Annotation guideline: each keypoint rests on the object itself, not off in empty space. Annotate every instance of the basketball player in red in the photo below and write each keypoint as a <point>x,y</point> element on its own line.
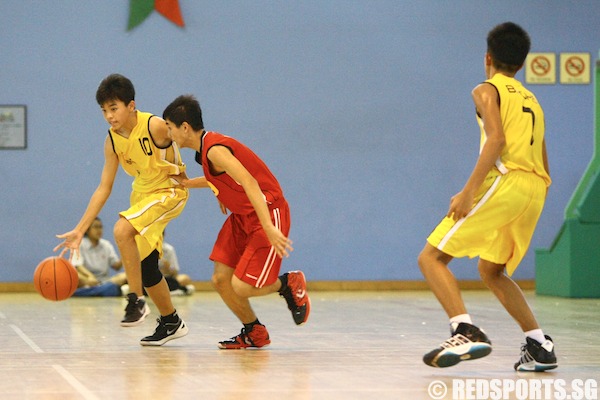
<point>249,248</point>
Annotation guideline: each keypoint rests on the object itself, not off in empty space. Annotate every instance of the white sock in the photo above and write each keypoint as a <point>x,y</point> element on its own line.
<point>454,321</point>
<point>536,334</point>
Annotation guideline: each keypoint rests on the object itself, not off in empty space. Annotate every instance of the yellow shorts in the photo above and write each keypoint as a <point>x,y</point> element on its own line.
<point>150,213</point>
<point>501,223</point>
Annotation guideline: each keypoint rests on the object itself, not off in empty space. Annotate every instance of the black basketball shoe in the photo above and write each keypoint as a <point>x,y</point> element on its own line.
<point>135,311</point>
<point>164,332</point>
<point>468,342</point>
<point>536,356</point>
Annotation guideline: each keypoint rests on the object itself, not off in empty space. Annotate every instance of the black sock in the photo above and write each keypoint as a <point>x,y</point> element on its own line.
<point>249,326</point>
<point>171,318</point>
<point>284,279</point>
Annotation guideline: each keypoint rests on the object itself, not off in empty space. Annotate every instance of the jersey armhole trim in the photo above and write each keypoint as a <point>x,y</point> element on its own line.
<point>112,142</point>
<point>497,91</point>
<point>152,137</point>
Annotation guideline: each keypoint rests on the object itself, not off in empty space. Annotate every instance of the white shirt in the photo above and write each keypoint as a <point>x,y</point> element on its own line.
<point>97,259</point>
<point>170,256</point>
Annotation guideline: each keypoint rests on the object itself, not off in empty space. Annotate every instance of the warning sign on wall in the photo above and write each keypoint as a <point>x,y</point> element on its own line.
<point>575,68</point>
<point>540,68</point>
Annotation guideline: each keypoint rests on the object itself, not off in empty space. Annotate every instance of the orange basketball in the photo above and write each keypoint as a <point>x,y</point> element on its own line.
<point>55,279</point>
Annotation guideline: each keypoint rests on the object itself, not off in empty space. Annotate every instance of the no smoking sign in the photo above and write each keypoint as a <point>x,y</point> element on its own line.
<point>575,68</point>
<point>540,68</point>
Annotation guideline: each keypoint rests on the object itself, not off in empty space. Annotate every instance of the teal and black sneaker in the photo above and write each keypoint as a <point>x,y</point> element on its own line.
<point>536,356</point>
<point>468,342</point>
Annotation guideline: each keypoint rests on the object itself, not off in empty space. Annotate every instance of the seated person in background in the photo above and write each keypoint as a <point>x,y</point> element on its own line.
<point>179,284</point>
<point>96,257</point>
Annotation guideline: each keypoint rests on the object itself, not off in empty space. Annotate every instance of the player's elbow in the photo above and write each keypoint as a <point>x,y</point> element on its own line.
<point>497,142</point>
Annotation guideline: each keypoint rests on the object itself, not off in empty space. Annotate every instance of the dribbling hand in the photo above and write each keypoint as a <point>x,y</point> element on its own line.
<point>72,240</point>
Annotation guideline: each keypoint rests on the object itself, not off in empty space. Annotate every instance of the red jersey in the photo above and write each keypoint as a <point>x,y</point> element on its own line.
<point>227,190</point>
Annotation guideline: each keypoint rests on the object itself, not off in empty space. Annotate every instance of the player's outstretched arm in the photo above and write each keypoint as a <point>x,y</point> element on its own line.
<point>194,183</point>
<point>72,239</point>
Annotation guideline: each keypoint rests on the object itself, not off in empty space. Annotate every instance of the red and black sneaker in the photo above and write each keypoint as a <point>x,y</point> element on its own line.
<point>296,297</point>
<point>257,337</point>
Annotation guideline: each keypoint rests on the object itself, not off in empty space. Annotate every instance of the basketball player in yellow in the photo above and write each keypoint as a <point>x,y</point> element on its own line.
<point>138,141</point>
<point>495,214</point>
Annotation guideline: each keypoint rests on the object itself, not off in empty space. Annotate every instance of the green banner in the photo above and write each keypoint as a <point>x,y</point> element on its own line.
<point>139,10</point>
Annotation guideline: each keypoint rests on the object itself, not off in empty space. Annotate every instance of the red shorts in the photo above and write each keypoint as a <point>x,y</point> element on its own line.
<point>242,244</point>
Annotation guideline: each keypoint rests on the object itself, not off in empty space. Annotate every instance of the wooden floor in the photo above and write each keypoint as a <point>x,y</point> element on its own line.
<point>356,345</point>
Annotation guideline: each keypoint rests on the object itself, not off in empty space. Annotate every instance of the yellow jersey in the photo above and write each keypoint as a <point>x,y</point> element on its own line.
<point>141,158</point>
<point>523,125</point>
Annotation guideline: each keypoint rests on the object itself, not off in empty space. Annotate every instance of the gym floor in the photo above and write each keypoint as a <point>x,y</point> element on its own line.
<point>355,345</point>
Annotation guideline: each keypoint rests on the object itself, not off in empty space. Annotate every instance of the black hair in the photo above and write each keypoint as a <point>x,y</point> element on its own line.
<point>508,44</point>
<point>115,87</point>
<point>90,227</point>
<point>185,108</point>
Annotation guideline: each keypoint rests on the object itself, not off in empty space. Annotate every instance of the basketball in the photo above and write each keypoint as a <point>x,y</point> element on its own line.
<point>55,279</point>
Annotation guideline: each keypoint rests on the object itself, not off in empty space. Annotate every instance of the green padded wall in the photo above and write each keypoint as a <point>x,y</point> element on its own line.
<point>571,266</point>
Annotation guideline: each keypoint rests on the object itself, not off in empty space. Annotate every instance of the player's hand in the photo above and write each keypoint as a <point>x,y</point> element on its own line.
<point>460,205</point>
<point>72,240</point>
<point>181,179</point>
<point>281,244</point>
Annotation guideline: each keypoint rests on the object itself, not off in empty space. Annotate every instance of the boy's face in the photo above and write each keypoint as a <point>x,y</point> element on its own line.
<point>95,230</point>
<point>177,134</point>
<point>117,113</point>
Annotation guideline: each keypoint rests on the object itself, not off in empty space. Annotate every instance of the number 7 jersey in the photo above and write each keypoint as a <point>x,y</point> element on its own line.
<point>524,128</point>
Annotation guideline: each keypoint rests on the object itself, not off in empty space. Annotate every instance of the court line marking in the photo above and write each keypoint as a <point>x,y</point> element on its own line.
<point>26,339</point>
<point>85,392</point>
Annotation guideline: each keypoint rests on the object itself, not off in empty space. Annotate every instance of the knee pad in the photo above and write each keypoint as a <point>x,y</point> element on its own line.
<point>151,275</point>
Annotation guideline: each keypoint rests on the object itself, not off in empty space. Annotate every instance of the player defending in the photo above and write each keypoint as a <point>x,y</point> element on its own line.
<point>495,214</point>
<point>249,248</point>
<point>140,142</point>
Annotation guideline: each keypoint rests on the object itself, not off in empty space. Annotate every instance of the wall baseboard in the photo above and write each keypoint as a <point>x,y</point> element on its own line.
<point>203,286</point>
